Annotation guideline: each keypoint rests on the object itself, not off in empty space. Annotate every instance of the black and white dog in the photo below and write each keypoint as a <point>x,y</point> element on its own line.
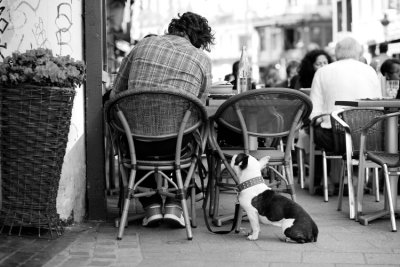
<point>263,204</point>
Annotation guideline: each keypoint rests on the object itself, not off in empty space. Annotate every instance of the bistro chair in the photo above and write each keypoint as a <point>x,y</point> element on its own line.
<point>389,162</point>
<point>273,114</point>
<point>326,155</point>
<point>150,115</point>
<point>347,125</point>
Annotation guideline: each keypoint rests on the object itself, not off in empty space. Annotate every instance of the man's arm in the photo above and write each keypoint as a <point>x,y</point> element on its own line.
<point>206,83</point>
<point>316,97</point>
<point>121,82</point>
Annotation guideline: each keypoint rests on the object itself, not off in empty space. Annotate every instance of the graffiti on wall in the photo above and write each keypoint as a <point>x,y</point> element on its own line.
<point>64,23</point>
<point>26,24</point>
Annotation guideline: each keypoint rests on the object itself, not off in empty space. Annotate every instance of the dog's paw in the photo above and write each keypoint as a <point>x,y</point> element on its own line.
<point>252,237</point>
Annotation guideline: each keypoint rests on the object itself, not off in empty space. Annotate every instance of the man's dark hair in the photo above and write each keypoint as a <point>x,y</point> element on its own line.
<point>386,66</point>
<point>195,27</point>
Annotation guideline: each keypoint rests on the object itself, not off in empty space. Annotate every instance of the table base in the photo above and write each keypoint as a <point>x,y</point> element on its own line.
<point>366,218</point>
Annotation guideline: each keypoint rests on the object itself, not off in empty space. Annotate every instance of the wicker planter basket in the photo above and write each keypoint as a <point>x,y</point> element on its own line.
<point>34,127</point>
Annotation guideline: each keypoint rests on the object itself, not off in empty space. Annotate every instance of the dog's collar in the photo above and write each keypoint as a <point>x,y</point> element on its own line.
<point>250,183</point>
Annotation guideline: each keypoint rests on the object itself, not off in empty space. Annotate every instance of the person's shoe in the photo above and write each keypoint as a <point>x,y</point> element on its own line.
<point>153,215</point>
<point>174,215</point>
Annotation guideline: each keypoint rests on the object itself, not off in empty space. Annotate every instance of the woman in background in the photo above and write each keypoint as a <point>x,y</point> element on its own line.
<point>310,63</point>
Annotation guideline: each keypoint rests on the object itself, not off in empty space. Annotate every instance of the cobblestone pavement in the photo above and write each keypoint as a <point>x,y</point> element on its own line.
<point>341,242</point>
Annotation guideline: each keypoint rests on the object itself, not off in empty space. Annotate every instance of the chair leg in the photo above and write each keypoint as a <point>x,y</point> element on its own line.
<point>311,170</point>
<point>289,177</point>
<point>193,204</point>
<point>375,184</point>
<point>211,181</point>
<point>350,187</point>
<point>239,220</point>
<point>341,188</point>
<point>187,219</point>
<point>325,176</point>
<point>125,210</point>
<point>389,197</point>
<point>300,166</point>
<point>362,181</point>
<point>184,205</point>
<point>360,188</point>
<point>215,190</point>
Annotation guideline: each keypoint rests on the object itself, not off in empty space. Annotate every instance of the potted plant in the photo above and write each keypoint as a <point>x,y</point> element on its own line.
<point>37,90</point>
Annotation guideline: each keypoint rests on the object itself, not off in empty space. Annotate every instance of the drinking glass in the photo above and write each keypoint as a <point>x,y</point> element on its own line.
<point>392,86</point>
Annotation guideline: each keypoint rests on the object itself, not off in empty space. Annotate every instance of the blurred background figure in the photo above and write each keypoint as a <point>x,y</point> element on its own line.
<point>377,61</point>
<point>232,76</point>
<point>310,63</point>
<point>271,77</point>
<point>291,71</point>
<point>390,69</point>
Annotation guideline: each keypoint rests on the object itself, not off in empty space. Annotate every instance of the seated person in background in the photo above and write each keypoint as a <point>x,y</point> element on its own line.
<point>378,60</point>
<point>291,71</point>
<point>390,69</point>
<point>225,136</point>
<point>173,60</point>
<point>233,77</point>
<point>310,63</point>
<point>345,79</point>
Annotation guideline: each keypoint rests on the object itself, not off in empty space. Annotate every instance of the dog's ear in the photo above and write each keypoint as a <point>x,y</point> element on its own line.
<point>264,161</point>
<point>242,160</point>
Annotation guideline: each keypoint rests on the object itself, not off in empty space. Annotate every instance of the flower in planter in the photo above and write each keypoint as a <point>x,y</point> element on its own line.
<point>40,67</point>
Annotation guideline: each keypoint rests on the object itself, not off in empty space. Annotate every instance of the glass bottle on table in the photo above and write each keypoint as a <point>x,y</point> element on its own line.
<point>244,73</point>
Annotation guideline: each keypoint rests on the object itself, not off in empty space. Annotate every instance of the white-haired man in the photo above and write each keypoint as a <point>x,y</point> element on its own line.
<point>345,79</point>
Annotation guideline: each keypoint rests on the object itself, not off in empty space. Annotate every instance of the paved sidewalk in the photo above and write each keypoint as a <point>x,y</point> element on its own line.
<point>341,242</point>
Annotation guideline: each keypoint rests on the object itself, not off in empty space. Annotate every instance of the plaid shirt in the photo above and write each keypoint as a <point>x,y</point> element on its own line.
<point>168,61</point>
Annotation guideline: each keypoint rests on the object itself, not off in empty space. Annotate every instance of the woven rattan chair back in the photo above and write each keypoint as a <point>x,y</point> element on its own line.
<point>356,120</point>
<point>265,112</point>
<point>155,115</point>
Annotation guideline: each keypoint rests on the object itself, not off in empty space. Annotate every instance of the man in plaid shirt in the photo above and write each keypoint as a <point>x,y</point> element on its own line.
<point>173,60</point>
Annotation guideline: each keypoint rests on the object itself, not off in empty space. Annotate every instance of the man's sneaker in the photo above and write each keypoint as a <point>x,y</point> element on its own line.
<point>153,215</point>
<point>174,215</point>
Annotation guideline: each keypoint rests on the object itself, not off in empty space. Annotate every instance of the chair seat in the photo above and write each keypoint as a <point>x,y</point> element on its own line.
<point>381,157</point>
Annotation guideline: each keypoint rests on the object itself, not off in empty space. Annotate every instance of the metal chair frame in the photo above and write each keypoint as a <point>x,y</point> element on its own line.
<point>390,163</point>
<point>326,155</point>
<point>345,123</point>
<point>280,164</point>
<point>189,118</point>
